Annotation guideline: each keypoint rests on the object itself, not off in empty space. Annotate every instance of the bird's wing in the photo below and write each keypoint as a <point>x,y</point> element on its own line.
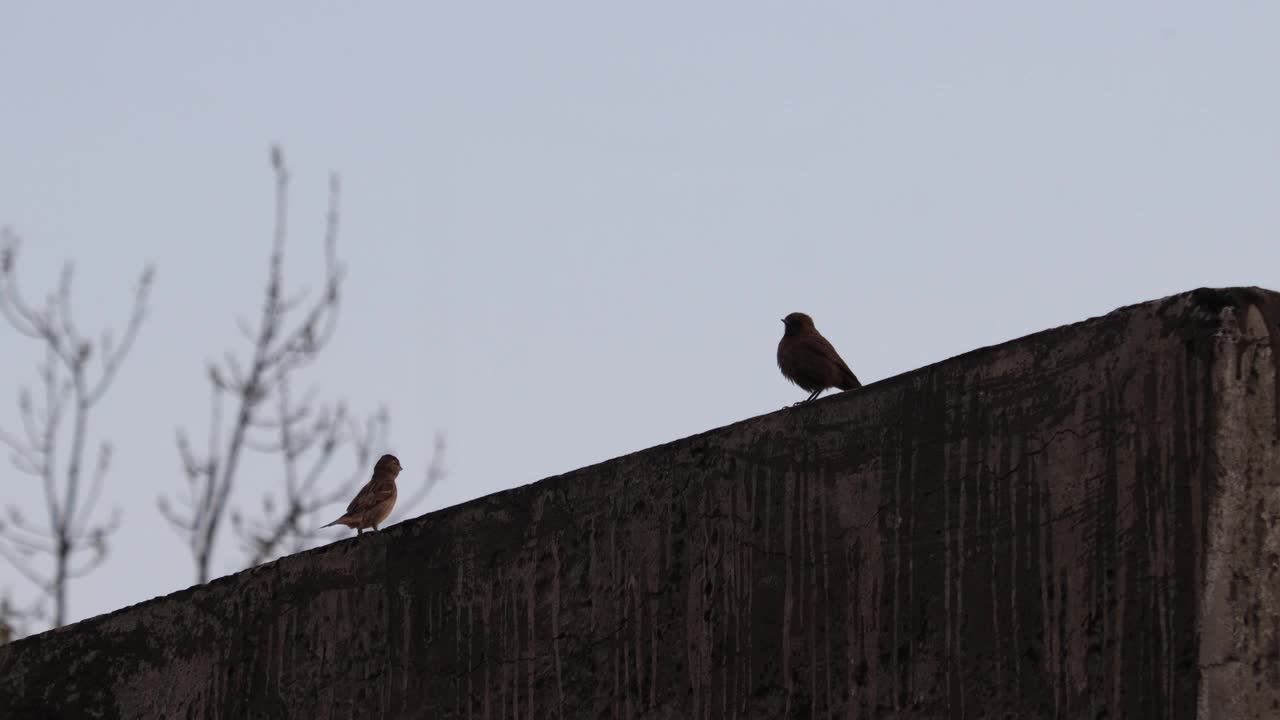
<point>374,493</point>
<point>815,346</point>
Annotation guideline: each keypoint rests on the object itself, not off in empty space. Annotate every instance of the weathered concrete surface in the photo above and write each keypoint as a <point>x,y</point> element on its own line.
<point>1079,524</point>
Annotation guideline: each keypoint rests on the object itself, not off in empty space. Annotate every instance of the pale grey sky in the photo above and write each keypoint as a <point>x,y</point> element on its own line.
<point>571,228</point>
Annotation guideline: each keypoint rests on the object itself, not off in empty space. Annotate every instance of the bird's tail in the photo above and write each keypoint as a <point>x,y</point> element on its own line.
<point>335,522</point>
<point>849,382</point>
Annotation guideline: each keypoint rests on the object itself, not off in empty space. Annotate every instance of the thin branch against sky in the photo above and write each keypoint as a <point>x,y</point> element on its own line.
<point>307,435</point>
<point>74,377</point>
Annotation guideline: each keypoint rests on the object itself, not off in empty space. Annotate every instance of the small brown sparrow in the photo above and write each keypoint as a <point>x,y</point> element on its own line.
<point>373,503</point>
<point>808,360</point>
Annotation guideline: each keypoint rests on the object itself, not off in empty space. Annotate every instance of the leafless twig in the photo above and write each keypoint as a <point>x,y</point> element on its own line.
<point>434,473</point>
<point>16,621</point>
<point>308,440</point>
<point>289,336</point>
<point>71,387</point>
<point>308,435</point>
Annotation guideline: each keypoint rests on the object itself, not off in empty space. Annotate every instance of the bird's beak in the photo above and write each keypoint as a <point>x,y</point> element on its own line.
<point>782,320</point>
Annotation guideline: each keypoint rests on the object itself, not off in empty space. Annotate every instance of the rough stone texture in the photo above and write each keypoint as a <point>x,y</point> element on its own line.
<point>1079,524</point>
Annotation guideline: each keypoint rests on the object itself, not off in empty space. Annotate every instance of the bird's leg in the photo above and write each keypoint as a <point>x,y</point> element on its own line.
<point>359,532</point>
<point>809,399</point>
<point>375,528</point>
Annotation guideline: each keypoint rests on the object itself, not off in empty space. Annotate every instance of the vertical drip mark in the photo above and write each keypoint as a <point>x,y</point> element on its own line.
<point>1044,530</point>
<point>1168,594</point>
<point>1014,480</point>
<point>993,561</point>
<point>1032,567</point>
<point>908,519</point>
<point>1108,537</point>
<point>895,522</point>
<point>692,614</point>
<point>708,629</point>
<point>787,600</point>
<point>1020,527</point>
<point>495,621</point>
<point>813,570</point>
<point>730,647</point>
<point>628,711</point>
<point>556,639</point>
<point>503,651</point>
<point>768,503</point>
<point>592,564</point>
<point>855,632</point>
<point>486,612</point>
<point>531,624</point>
<point>748,587</point>
<point>949,581</point>
<point>517,651</point>
<point>458,602</point>
<point>806,585</point>
<point>639,646</point>
<point>665,562</point>
<point>1145,555</point>
<point>1126,522</point>
<point>715,617</point>
<point>823,533</point>
<point>511,650</point>
<point>471,639</point>
<point>1064,596</point>
<point>962,503</point>
<point>1158,491</point>
<point>693,619</point>
<point>1190,443</point>
<point>875,583</point>
<point>288,651</point>
<point>617,656</point>
<point>747,584</point>
<point>637,640</point>
<point>653,646</point>
<point>272,651</point>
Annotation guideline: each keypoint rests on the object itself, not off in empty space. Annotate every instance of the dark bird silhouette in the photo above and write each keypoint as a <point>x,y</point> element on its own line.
<point>373,503</point>
<point>808,360</point>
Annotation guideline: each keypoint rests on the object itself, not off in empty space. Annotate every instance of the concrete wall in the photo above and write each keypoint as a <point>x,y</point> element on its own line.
<point>1077,524</point>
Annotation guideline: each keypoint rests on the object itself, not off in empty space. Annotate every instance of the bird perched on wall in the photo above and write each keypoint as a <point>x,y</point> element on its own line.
<point>808,360</point>
<point>373,503</point>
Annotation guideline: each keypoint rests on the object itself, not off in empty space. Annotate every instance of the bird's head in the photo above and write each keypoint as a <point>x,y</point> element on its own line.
<point>387,465</point>
<point>797,322</point>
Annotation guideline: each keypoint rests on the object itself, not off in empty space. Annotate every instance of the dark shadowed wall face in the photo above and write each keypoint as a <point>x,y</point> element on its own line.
<point>570,228</point>
<point>1067,525</point>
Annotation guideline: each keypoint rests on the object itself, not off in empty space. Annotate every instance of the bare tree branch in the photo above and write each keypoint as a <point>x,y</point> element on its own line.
<point>292,330</point>
<point>70,392</point>
<point>80,523</point>
<point>15,621</point>
<point>434,474</point>
<point>25,569</point>
<point>313,439</point>
<point>294,525</point>
<point>32,545</point>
